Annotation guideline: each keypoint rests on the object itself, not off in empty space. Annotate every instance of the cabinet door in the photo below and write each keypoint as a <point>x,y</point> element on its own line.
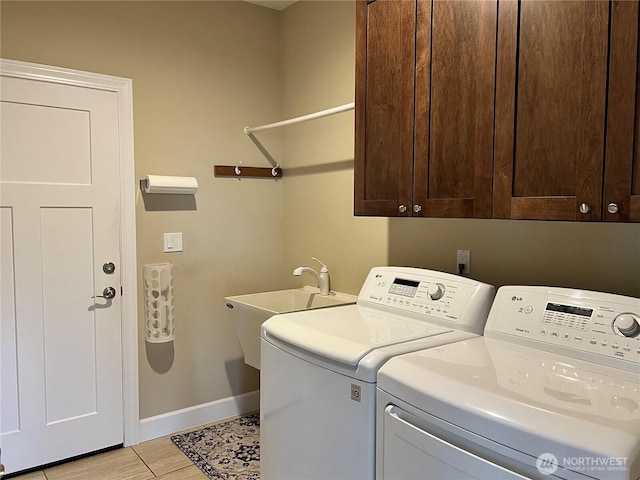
<point>385,58</point>
<point>455,85</point>
<point>550,109</point>
<point>622,164</point>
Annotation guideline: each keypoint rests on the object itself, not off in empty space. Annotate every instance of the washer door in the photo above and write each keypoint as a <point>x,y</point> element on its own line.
<point>346,334</point>
<point>411,452</point>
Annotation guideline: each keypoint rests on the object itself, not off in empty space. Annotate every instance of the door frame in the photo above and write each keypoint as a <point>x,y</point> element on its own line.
<point>123,88</point>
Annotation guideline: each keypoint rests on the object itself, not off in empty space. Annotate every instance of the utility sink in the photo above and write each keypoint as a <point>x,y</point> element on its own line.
<point>250,311</point>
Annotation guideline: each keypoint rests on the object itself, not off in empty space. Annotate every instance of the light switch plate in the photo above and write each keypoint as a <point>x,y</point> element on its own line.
<point>173,242</point>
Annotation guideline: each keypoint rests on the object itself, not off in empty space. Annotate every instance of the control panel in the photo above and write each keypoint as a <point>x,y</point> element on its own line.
<point>449,298</point>
<point>592,322</point>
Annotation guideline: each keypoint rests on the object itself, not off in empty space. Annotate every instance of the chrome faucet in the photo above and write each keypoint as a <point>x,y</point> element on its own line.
<point>324,282</point>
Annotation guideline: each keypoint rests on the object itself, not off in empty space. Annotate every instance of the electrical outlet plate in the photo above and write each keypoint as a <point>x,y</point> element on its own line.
<point>464,257</point>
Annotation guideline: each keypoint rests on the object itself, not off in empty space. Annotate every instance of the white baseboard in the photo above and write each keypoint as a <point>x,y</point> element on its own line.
<point>172,422</point>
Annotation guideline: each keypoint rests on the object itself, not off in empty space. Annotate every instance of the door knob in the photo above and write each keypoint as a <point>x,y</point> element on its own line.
<point>108,293</point>
<point>402,208</point>
<point>584,208</point>
<point>612,208</point>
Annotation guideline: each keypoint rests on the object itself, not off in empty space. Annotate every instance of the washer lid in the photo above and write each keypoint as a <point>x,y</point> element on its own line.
<point>533,401</point>
<point>345,334</point>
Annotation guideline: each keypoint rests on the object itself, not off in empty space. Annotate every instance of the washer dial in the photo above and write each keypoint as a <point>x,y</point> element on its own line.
<point>627,325</point>
<point>436,291</point>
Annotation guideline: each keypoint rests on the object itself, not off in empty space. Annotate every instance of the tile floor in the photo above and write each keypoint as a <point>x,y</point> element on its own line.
<point>158,458</point>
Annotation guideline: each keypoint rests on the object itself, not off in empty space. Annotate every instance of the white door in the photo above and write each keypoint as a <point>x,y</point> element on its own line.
<point>61,350</point>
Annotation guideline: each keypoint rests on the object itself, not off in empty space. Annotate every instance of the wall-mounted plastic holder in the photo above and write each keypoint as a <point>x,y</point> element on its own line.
<point>158,303</point>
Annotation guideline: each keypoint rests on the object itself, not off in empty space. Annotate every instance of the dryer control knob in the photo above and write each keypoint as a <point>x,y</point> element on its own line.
<point>436,291</point>
<point>627,325</point>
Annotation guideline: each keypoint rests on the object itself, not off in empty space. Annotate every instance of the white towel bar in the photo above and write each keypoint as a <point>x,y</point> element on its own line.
<point>303,118</point>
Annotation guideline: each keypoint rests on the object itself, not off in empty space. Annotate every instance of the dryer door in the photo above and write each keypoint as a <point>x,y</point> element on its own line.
<point>411,452</point>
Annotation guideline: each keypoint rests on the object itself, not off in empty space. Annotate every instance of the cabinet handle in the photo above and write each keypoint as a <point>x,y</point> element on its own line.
<point>612,208</point>
<point>584,208</point>
<point>402,208</point>
<point>417,208</point>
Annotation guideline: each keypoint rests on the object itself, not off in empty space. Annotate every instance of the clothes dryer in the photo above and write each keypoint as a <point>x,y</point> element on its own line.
<point>318,376</point>
<point>552,390</point>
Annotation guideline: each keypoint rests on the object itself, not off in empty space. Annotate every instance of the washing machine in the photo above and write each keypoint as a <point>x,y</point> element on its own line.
<point>318,376</point>
<point>552,390</point>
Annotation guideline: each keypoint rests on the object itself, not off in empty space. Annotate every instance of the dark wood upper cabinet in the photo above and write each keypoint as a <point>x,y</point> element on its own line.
<point>424,108</point>
<point>551,109</point>
<point>520,109</point>
<point>621,193</point>
<point>566,111</point>
<point>454,94</point>
<point>385,62</point>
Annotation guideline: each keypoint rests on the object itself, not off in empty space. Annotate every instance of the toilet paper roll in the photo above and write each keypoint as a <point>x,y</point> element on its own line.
<point>170,184</point>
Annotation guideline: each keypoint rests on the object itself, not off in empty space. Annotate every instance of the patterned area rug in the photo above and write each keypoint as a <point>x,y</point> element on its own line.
<point>228,450</point>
